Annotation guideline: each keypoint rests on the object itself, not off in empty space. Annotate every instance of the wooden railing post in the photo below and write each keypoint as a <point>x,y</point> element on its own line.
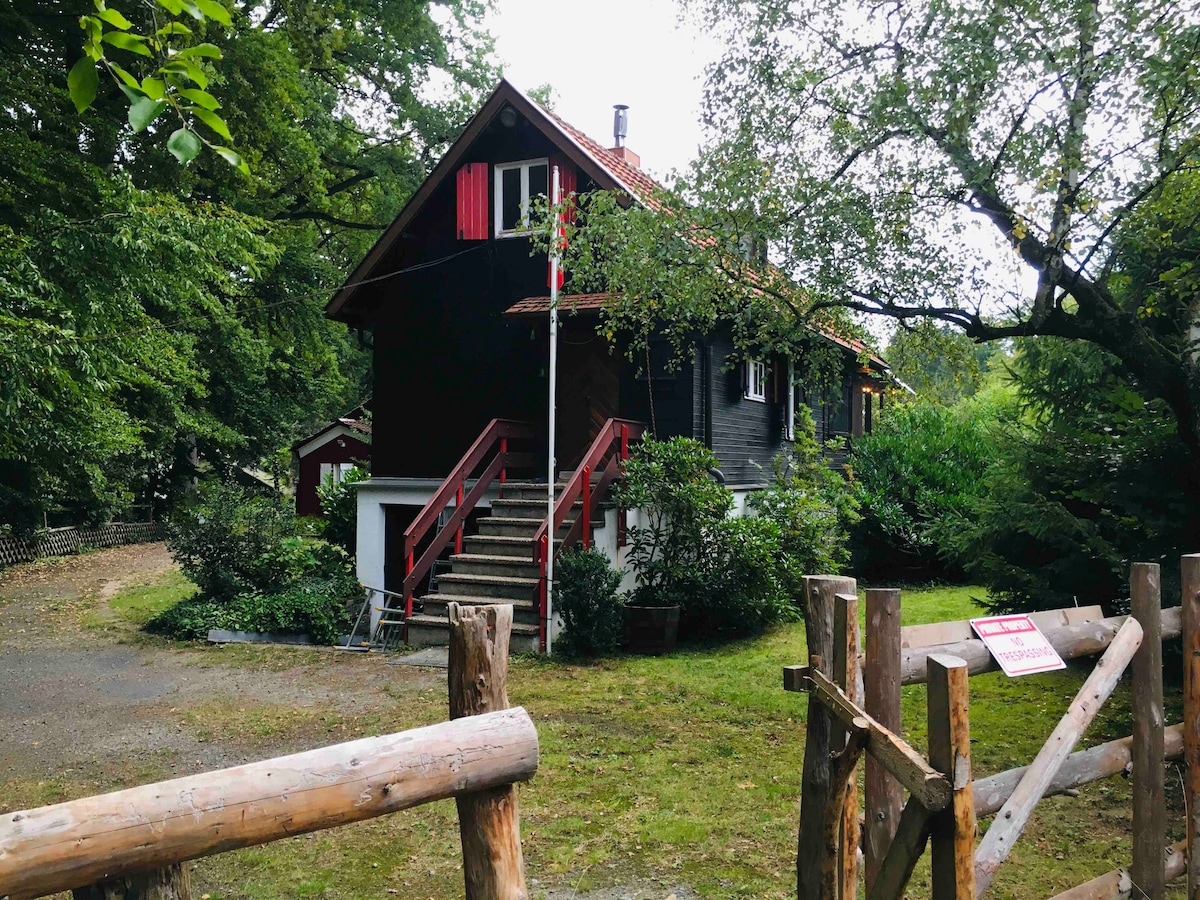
<point>493,868</point>
<point>1190,566</point>
<point>881,688</point>
<point>543,552</point>
<point>586,509</point>
<point>1149,798</point>
<point>503,468</point>
<point>172,883</point>
<point>952,831</point>
<point>817,777</point>
<point>846,674</point>
<point>458,535</point>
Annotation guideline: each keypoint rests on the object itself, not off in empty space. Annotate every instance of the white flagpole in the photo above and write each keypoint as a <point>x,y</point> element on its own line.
<point>553,379</point>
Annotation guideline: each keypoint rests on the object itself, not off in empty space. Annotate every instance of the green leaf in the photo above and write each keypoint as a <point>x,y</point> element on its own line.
<point>173,28</point>
<point>212,51</point>
<point>174,7</point>
<point>200,98</point>
<point>184,145</point>
<point>154,88</point>
<point>129,42</point>
<point>144,111</point>
<point>233,158</point>
<point>193,10</point>
<point>129,80</point>
<point>133,93</point>
<point>83,83</point>
<point>215,10</point>
<point>212,120</point>
<point>188,68</point>
<point>114,18</point>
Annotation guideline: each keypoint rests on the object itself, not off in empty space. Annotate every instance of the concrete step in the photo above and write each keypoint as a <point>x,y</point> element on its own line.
<point>525,490</point>
<point>500,545</point>
<point>520,509</point>
<point>493,586</point>
<point>510,526</point>
<point>524,611</point>
<point>434,631</point>
<point>492,564</point>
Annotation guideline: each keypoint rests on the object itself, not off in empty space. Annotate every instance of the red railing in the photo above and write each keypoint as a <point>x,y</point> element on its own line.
<point>607,456</point>
<point>498,431</point>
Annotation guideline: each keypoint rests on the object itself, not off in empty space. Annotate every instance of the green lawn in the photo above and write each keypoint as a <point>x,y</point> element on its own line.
<point>654,772</point>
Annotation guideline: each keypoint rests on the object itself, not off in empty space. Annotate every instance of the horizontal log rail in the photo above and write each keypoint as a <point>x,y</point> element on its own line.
<point>929,786</point>
<point>1118,884</point>
<point>1082,767</point>
<point>606,455</point>
<point>1071,642</point>
<point>75,844</point>
<point>494,438</point>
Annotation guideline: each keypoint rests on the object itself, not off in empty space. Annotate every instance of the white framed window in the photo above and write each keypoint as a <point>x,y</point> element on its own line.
<point>334,471</point>
<point>517,184</point>
<point>756,380</point>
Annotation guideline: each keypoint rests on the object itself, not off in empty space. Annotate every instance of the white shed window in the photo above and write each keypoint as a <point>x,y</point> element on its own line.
<point>756,380</point>
<point>517,184</point>
<point>334,471</point>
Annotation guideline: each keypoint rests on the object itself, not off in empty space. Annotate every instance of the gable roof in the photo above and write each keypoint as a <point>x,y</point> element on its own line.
<point>606,168</point>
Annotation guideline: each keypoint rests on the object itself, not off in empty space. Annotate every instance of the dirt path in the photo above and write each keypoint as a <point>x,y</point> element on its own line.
<point>101,707</point>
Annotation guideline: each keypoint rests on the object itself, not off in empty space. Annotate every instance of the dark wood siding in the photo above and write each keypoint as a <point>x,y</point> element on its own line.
<point>663,397</point>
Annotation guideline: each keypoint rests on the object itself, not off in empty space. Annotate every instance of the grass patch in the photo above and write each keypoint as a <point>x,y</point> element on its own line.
<point>133,605</point>
<point>654,772</point>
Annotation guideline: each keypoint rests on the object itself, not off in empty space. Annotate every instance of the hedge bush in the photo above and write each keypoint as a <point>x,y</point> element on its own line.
<point>585,595</point>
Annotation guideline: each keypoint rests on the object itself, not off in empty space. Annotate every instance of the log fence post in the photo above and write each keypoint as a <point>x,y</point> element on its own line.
<point>1149,797</point>
<point>881,689</point>
<point>952,831</point>
<point>493,868</point>
<point>169,883</point>
<point>817,777</point>
<point>848,678</point>
<point>1190,572</point>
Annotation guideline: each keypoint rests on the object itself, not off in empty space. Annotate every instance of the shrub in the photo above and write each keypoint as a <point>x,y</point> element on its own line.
<point>339,503</point>
<point>254,572</point>
<point>922,467</point>
<point>585,595</point>
<point>748,580</point>
<point>669,482</point>
<point>812,507</point>
<point>225,541</point>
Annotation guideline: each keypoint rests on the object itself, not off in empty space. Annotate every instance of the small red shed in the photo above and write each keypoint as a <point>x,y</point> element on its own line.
<point>332,451</point>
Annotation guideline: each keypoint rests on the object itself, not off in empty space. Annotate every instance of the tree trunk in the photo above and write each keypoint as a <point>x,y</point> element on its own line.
<point>172,883</point>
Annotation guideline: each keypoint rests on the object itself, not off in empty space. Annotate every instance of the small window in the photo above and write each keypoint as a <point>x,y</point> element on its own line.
<point>517,184</point>
<point>333,471</point>
<point>756,380</point>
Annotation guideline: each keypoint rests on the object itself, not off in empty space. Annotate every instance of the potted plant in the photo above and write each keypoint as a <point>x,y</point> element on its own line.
<point>677,502</point>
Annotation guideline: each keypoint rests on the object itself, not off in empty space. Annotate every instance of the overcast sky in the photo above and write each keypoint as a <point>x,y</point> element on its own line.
<point>596,54</point>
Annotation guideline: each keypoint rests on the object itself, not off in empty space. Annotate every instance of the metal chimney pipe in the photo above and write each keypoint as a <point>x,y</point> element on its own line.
<point>620,124</point>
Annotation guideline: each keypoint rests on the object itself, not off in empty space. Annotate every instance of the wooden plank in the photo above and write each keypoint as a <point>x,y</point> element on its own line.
<point>847,676</point>
<point>833,872</point>
<point>952,831</point>
<point>909,767</point>
<point>934,634</point>
<point>815,781</point>
<point>82,842</point>
<point>1118,884</point>
<point>1149,796</point>
<point>1190,572</point>
<point>493,867</point>
<point>1014,815</point>
<point>1071,642</point>
<point>881,701</point>
<point>912,833</point>
<point>1081,767</point>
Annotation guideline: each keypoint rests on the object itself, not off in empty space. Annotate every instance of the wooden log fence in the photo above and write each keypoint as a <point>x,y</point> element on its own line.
<point>854,706</point>
<point>130,844</point>
<point>71,540</point>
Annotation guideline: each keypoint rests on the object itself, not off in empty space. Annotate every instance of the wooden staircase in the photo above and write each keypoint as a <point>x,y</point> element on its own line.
<point>497,565</point>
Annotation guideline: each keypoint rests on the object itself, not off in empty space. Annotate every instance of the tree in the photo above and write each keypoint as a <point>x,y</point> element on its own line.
<point>884,153</point>
<point>152,313</point>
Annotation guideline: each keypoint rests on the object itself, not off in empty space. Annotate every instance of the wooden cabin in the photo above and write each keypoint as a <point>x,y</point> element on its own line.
<point>457,308</point>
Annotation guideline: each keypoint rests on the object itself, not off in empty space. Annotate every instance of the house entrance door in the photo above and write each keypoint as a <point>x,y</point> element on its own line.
<point>588,391</point>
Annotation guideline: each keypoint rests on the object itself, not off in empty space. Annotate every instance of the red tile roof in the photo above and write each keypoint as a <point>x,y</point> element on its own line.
<point>532,306</point>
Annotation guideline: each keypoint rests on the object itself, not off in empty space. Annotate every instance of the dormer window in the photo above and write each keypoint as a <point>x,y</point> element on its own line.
<point>756,380</point>
<point>517,184</point>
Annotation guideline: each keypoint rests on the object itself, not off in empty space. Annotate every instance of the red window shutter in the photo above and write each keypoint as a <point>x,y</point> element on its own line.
<point>472,220</point>
<point>566,179</point>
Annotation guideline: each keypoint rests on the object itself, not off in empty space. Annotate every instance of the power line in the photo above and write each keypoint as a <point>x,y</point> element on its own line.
<point>295,298</point>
